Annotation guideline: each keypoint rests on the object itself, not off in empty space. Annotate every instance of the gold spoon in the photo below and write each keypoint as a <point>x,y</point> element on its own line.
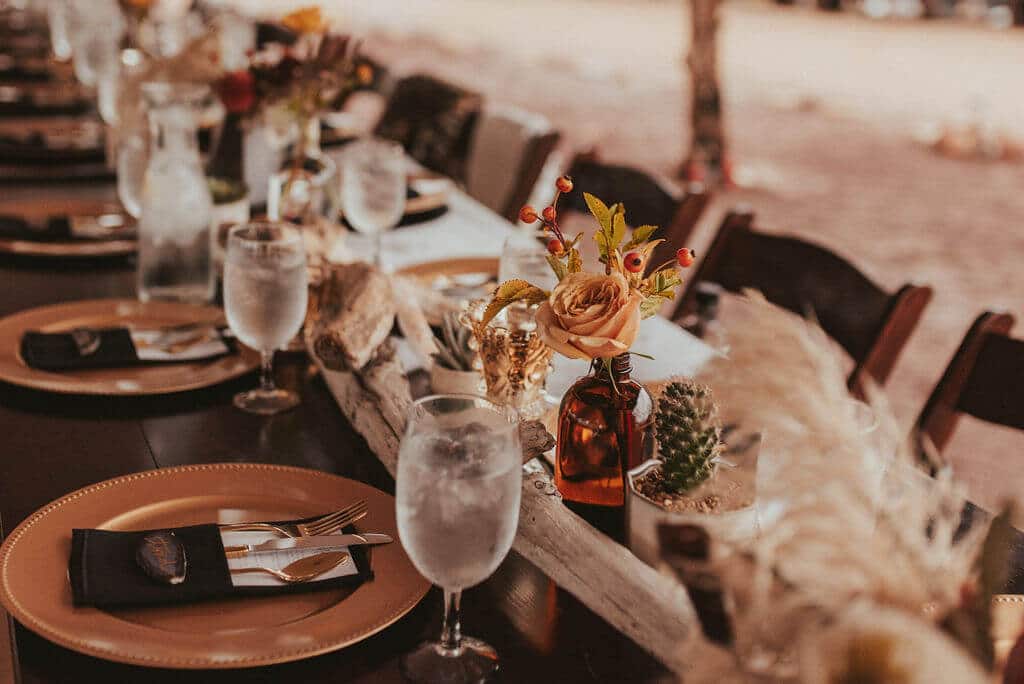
<point>303,569</point>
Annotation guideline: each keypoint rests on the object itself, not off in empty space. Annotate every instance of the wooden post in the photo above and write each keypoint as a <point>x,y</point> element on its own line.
<point>706,158</point>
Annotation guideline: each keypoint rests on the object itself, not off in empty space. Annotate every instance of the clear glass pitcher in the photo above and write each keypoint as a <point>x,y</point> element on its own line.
<point>175,204</point>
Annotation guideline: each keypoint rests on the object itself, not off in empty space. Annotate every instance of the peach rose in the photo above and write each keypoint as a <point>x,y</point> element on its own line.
<point>590,316</point>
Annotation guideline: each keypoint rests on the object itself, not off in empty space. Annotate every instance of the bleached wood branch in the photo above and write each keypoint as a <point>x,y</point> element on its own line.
<point>650,608</point>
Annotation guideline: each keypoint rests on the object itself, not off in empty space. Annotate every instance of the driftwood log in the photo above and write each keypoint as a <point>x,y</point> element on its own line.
<point>650,608</point>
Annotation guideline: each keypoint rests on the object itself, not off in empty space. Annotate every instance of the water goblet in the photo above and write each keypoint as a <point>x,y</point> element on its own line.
<point>457,498</point>
<point>265,297</point>
<point>95,29</point>
<point>373,188</point>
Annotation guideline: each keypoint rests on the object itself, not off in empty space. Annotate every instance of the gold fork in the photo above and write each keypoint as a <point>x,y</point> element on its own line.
<point>322,525</point>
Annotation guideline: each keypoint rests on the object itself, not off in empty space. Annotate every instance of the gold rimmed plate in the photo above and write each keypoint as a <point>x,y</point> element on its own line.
<point>243,632</point>
<point>468,271</point>
<point>99,211</point>
<point>449,283</point>
<point>165,378</point>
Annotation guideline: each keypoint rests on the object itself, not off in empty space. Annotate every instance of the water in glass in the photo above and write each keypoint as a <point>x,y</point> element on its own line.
<point>373,187</point>
<point>457,498</point>
<point>265,296</point>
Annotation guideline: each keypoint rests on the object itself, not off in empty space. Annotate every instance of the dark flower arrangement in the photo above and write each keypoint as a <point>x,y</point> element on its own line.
<point>314,74</point>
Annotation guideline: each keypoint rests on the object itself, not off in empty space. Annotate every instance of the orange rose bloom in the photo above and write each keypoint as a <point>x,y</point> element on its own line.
<point>590,316</point>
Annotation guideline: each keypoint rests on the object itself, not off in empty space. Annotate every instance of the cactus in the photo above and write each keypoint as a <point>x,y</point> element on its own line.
<point>454,350</point>
<point>689,437</point>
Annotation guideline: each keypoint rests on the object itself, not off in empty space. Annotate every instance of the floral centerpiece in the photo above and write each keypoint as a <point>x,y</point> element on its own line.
<point>290,87</point>
<point>313,75</point>
<point>606,419</point>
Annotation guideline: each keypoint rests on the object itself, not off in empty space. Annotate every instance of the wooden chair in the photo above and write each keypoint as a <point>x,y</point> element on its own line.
<point>984,379</point>
<point>869,323</point>
<point>433,120</point>
<point>647,201</point>
<point>508,153</point>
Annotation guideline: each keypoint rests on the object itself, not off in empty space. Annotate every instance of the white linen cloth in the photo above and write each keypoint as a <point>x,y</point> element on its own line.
<point>273,559</point>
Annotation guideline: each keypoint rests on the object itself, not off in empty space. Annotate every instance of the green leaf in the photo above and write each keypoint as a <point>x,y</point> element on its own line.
<point>618,227</point>
<point>650,247</point>
<point>651,305</point>
<point>575,262</point>
<point>512,291</point>
<point>557,266</point>
<point>641,234</point>
<point>602,240</point>
<point>600,211</point>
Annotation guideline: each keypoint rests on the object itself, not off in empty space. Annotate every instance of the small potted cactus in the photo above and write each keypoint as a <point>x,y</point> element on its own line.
<point>453,369</point>
<point>694,479</point>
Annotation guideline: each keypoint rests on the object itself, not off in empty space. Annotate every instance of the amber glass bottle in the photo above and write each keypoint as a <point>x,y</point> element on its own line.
<point>605,427</point>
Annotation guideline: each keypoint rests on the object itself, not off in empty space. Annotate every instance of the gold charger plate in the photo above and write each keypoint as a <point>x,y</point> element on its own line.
<point>452,268</point>
<point>66,207</point>
<point>132,381</point>
<point>244,632</point>
<point>449,283</point>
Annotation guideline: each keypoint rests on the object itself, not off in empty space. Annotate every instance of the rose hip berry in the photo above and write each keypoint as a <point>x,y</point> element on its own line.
<point>549,214</point>
<point>555,246</point>
<point>685,257</point>
<point>564,184</point>
<point>528,214</point>
<point>633,261</point>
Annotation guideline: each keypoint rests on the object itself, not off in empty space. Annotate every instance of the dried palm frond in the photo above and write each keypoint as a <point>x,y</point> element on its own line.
<point>844,515</point>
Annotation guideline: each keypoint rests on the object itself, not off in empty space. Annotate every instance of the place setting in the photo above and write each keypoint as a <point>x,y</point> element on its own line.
<point>208,567</point>
<point>330,361</point>
<point>69,228</point>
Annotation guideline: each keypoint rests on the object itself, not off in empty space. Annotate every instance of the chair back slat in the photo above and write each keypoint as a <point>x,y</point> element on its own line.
<point>537,154</point>
<point>869,323</point>
<point>983,379</point>
<point>647,201</point>
<point>508,153</point>
<point>433,120</point>
<point>995,388</point>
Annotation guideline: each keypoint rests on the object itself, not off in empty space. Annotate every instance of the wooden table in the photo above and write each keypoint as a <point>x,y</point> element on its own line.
<point>55,444</point>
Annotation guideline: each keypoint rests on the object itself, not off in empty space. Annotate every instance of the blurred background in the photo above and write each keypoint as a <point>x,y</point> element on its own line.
<point>890,131</point>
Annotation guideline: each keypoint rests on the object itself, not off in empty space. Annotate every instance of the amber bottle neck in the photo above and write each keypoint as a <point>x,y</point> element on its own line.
<point>620,367</point>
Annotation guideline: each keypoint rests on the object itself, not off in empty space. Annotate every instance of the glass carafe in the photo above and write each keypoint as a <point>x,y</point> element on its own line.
<point>176,207</point>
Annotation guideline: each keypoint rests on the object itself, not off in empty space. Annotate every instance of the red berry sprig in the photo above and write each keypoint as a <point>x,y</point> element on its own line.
<point>549,217</point>
<point>685,257</point>
<point>633,261</point>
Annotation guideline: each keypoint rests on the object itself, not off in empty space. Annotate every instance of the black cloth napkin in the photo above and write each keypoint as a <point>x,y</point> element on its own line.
<point>103,570</point>
<point>53,229</point>
<point>58,351</point>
